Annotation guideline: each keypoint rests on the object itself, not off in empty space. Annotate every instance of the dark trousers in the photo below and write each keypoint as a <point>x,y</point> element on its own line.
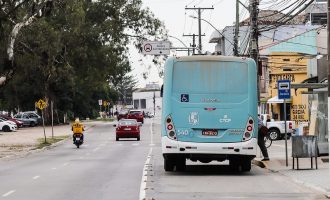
<point>262,146</point>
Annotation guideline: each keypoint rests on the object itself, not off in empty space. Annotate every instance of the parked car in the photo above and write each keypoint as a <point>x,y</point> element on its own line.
<point>27,121</point>
<point>18,123</point>
<point>277,128</point>
<point>34,114</point>
<point>122,114</point>
<point>7,126</point>
<point>136,114</point>
<point>127,128</point>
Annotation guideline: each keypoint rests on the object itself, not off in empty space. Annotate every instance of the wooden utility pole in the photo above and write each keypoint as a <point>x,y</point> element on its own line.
<point>194,41</point>
<point>254,50</point>
<point>328,23</point>
<point>236,30</point>
<point>199,10</point>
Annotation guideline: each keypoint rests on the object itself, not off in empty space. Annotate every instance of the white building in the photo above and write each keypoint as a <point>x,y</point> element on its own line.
<point>148,99</point>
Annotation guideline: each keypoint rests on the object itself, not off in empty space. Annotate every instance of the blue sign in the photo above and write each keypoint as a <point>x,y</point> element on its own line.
<point>184,97</point>
<point>284,89</point>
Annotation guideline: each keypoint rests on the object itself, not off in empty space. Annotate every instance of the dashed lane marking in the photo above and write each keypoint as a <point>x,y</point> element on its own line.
<point>8,193</point>
<point>36,177</point>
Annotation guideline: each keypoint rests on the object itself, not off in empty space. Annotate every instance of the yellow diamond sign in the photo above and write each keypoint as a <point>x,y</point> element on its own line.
<point>41,104</point>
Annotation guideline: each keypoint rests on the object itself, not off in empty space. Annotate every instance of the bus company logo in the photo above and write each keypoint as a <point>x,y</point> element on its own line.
<point>193,118</point>
<point>210,100</point>
<point>225,119</point>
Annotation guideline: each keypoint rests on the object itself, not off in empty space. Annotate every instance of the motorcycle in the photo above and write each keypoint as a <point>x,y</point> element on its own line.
<point>78,139</point>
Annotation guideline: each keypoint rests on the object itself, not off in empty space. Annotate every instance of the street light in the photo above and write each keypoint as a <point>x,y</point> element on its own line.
<point>194,17</point>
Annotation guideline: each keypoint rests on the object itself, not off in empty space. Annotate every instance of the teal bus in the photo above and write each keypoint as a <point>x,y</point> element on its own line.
<point>209,111</point>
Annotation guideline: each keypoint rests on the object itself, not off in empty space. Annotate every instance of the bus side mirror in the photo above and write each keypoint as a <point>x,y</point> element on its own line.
<point>161,91</point>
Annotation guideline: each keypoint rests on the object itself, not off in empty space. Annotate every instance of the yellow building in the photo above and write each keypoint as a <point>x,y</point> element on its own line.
<point>293,67</point>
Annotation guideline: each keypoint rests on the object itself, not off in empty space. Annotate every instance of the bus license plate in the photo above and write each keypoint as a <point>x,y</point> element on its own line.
<point>210,132</point>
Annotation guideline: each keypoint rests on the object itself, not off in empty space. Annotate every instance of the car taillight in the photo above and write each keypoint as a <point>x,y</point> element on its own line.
<point>248,131</point>
<point>290,125</point>
<point>170,130</point>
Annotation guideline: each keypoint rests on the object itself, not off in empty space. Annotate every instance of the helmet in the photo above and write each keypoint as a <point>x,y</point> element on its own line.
<point>77,120</point>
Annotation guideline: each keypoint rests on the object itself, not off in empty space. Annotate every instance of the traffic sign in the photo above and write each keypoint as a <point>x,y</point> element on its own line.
<point>100,102</point>
<point>284,89</point>
<point>41,104</point>
<point>105,103</point>
<point>156,47</point>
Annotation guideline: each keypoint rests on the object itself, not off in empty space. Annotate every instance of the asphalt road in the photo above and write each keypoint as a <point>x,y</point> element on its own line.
<point>105,169</point>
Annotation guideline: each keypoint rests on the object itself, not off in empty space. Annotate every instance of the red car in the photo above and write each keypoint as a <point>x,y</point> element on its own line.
<point>136,114</point>
<point>17,122</point>
<point>122,115</point>
<point>127,128</point>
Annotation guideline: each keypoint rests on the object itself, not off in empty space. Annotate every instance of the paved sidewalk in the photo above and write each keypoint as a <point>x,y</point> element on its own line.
<point>318,179</point>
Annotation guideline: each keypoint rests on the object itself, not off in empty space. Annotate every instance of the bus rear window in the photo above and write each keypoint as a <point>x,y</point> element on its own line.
<point>210,77</point>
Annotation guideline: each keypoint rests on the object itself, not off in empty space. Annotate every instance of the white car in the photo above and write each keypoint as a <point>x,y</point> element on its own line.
<point>6,125</point>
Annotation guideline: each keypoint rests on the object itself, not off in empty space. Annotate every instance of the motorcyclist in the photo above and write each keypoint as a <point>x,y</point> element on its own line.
<point>77,129</point>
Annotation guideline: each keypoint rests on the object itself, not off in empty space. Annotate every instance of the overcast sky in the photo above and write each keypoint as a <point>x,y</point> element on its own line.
<point>178,22</point>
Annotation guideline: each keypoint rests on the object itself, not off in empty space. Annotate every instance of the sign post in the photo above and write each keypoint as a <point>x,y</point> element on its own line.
<point>41,104</point>
<point>284,92</point>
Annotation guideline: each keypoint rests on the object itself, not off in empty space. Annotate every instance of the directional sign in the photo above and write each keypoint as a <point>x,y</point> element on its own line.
<point>41,104</point>
<point>156,47</point>
<point>284,89</point>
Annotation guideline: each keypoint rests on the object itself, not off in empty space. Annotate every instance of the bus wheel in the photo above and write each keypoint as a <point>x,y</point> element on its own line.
<point>180,164</point>
<point>246,165</point>
<point>168,165</point>
<point>234,165</point>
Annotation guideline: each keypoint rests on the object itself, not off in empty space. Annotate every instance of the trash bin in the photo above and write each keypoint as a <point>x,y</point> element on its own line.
<point>304,146</point>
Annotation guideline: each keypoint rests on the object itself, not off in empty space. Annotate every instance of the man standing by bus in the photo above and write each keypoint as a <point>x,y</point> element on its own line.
<point>262,131</point>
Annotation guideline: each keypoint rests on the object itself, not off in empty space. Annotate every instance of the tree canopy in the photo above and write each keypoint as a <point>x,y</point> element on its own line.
<point>74,54</point>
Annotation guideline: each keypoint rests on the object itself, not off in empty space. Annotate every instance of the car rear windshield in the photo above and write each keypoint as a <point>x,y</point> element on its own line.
<point>135,112</point>
<point>127,123</point>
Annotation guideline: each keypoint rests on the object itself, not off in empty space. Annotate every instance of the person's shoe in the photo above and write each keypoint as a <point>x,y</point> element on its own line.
<point>265,159</point>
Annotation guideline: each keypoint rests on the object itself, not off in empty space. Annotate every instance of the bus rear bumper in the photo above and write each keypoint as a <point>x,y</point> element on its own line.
<point>247,148</point>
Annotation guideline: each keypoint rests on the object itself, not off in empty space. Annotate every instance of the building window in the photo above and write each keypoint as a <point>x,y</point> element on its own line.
<point>136,104</point>
<point>143,103</point>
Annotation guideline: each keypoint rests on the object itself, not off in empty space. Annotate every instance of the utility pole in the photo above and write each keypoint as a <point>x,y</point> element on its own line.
<point>328,23</point>
<point>199,10</point>
<point>236,30</point>
<point>194,40</point>
<point>254,50</point>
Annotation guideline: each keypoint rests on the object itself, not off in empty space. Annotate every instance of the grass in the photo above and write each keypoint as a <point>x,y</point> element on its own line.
<point>105,119</point>
<point>41,141</point>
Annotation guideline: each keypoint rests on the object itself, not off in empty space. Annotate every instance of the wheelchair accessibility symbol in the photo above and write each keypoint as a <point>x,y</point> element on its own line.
<point>184,97</point>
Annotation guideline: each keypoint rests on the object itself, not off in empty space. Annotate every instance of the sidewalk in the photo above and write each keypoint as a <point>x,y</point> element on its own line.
<point>318,179</point>
<point>24,140</point>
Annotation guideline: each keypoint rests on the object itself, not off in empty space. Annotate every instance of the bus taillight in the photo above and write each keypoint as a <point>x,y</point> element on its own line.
<point>248,133</point>
<point>170,130</point>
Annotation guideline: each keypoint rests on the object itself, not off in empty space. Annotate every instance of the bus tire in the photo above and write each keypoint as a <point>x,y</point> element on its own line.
<point>246,165</point>
<point>234,165</point>
<point>168,165</point>
<point>180,164</point>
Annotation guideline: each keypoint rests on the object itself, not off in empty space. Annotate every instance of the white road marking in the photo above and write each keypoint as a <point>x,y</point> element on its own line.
<point>144,179</point>
<point>36,177</point>
<point>152,145</point>
<point>54,168</point>
<point>65,164</point>
<point>8,193</point>
<point>135,144</point>
<point>96,149</point>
